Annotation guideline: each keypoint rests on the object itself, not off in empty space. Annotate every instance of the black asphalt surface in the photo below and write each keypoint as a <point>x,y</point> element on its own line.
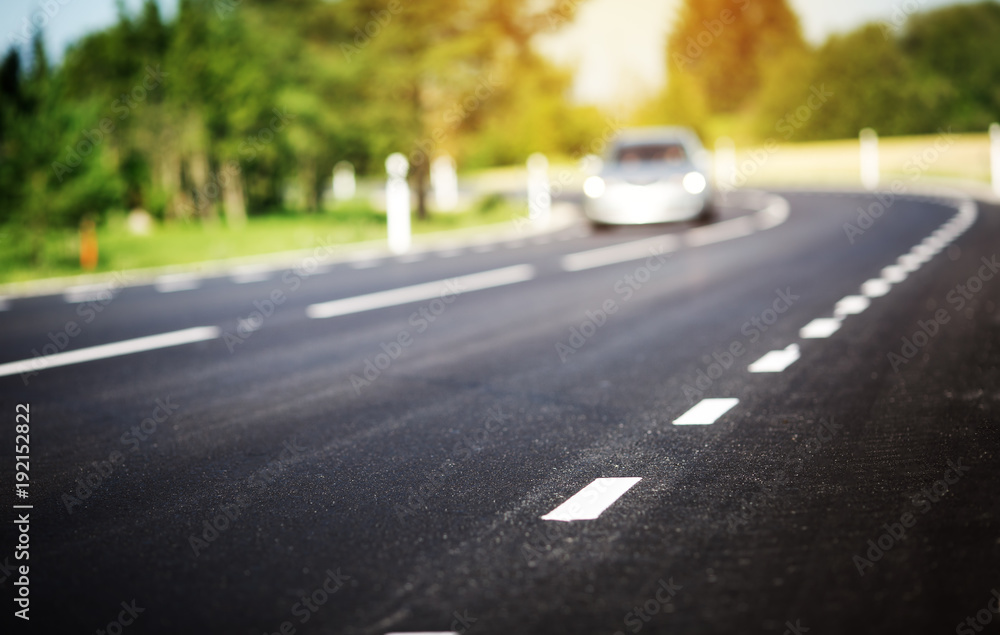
<point>416,498</point>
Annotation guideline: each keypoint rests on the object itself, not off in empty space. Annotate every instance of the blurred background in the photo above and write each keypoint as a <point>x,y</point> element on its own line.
<point>142,134</point>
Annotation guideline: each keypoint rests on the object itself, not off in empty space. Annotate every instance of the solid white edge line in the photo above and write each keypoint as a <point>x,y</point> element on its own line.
<point>706,412</point>
<point>419,292</point>
<point>592,500</point>
<point>117,349</point>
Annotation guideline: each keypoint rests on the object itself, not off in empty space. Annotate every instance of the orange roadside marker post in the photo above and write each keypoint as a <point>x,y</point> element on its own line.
<point>88,245</point>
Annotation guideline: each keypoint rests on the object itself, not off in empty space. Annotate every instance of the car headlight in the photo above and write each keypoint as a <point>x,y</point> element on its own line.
<point>594,187</point>
<point>694,183</point>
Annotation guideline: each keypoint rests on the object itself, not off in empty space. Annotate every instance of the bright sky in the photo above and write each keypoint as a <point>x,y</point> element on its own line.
<point>615,46</point>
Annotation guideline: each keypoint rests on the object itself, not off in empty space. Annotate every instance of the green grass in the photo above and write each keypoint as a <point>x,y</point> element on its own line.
<point>185,243</point>
<point>826,162</point>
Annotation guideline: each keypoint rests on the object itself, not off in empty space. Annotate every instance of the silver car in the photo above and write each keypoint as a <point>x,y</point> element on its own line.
<point>651,175</point>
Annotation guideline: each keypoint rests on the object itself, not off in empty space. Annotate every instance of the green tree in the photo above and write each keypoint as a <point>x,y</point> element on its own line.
<point>871,83</point>
<point>959,47</point>
<point>38,126</point>
<point>242,107</point>
<point>721,49</point>
<point>426,59</point>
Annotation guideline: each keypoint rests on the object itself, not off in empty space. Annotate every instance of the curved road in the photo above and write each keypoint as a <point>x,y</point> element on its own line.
<point>387,468</point>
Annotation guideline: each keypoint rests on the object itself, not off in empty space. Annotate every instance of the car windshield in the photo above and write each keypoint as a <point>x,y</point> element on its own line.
<point>672,153</point>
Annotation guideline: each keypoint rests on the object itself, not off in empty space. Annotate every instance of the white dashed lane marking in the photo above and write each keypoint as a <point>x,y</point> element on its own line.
<point>104,351</point>
<point>592,500</point>
<point>875,288</point>
<point>776,361</point>
<point>364,264</point>
<point>819,328</point>
<point>772,215</point>
<point>420,292</point>
<point>894,274</point>
<point>623,252</point>
<point>88,293</point>
<point>851,305</point>
<point>909,263</point>
<point>177,282</point>
<point>248,278</point>
<point>719,232</point>
<point>706,412</point>
<point>247,275</point>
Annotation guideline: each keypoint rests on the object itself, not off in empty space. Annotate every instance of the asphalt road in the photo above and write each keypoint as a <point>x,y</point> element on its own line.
<point>271,478</point>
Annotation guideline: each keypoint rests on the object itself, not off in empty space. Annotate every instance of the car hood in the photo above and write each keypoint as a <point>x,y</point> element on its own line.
<point>645,174</point>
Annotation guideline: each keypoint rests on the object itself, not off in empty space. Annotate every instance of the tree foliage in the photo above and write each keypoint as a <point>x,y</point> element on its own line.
<point>721,48</point>
<point>958,48</point>
<point>739,62</point>
<point>235,107</point>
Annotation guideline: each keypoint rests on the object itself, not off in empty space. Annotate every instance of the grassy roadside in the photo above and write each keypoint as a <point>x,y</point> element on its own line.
<point>836,162</point>
<point>184,243</point>
<point>964,156</point>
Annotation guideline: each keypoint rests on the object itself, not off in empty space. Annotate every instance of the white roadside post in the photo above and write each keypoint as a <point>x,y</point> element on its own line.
<point>995,157</point>
<point>444,182</point>
<point>539,192</point>
<point>869,159</point>
<point>397,203</point>
<point>344,185</point>
<point>725,165</point>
